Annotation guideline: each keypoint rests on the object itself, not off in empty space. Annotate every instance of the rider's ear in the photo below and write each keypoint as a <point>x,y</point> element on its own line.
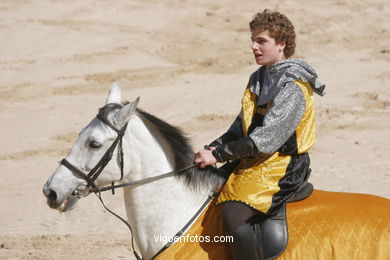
<point>123,115</point>
<point>115,95</point>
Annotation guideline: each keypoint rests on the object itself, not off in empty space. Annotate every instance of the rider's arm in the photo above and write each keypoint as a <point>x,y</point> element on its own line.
<point>279,124</point>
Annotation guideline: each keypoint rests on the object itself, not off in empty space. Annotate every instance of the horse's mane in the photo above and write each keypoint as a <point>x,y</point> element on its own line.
<point>184,156</point>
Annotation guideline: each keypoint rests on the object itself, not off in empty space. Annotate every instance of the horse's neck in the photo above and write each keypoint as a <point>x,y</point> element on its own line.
<point>159,208</point>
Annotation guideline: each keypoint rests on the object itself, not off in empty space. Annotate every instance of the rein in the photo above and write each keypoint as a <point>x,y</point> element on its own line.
<point>97,170</point>
<point>211,196</point>
<point>143,181</point>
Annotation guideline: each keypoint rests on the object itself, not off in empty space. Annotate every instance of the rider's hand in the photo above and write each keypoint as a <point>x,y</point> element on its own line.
<point>205,158</point>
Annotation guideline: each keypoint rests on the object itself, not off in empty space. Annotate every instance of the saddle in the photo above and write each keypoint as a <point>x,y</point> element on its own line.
<point>272,233</point>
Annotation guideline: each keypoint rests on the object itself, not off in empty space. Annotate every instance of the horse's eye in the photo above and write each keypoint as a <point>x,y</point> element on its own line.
<point>95,144</point>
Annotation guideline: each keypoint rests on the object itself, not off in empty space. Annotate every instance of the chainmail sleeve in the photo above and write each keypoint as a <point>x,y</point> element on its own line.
<point>281,120</point>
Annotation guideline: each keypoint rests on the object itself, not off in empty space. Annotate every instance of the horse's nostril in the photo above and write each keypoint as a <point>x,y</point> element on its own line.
<point>50,195</point>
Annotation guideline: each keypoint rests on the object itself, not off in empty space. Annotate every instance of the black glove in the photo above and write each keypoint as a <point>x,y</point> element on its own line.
<point>242,148</point>
<point>223,139</point>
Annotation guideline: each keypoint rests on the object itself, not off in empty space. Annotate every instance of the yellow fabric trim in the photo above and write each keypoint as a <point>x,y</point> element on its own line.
<point>248,109</point>
<point>257,184</point>
<point>305,131</point>
<point>327,225</point>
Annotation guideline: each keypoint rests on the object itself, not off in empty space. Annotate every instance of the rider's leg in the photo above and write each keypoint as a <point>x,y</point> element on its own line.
<point>235,217</point>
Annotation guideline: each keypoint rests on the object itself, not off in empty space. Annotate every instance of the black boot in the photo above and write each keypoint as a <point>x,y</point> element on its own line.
<point>244,245</point>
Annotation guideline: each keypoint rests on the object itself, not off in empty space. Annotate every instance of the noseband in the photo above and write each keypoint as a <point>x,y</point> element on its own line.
<point>97,170</point>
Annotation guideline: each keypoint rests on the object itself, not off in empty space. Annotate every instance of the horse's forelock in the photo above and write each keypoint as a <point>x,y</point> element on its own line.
<point>107,109</point>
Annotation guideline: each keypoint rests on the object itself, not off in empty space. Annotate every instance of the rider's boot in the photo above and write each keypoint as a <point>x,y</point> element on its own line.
<point>244,246</point>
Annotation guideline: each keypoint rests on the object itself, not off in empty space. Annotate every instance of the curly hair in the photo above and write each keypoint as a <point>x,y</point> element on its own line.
<point>279,27</point>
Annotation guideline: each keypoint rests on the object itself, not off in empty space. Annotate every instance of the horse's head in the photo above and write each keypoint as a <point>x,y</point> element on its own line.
<point>89,162</point>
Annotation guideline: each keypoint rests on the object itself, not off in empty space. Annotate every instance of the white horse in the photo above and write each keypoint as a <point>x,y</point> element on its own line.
<point>161,207</point>
<point>149,152</point>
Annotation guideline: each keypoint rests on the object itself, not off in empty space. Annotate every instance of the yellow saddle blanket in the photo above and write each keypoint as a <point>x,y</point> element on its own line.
<point>327,225</point>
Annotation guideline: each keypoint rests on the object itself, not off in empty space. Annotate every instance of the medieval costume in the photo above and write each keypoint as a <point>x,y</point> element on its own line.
<point>271,136</point>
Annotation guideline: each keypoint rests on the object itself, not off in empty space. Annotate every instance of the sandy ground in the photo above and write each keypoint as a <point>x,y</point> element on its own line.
<point>189,61</point>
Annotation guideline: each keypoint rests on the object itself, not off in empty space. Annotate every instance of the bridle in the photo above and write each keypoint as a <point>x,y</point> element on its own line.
<point>106,158</point>
<point>91,177</point>
<point>97,170</point>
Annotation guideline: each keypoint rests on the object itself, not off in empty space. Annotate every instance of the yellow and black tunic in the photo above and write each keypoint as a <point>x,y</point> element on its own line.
<point>278,115</point>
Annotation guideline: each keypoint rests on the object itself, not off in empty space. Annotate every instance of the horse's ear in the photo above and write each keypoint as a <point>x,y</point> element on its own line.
<point>123,115</point>
<point>115,95</point>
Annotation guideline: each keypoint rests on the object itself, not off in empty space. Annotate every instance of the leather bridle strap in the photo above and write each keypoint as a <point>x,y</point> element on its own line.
<point>121,133</point>
<point>77,172</point>
<point>96,171</point>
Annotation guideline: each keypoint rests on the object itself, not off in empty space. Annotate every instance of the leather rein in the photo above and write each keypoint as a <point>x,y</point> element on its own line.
<point>91,177</point>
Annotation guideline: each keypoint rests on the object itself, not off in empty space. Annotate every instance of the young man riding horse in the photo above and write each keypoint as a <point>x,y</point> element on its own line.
<point>270,137</point>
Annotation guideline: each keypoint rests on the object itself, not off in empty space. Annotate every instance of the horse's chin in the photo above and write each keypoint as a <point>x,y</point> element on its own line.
<point>68,204</point>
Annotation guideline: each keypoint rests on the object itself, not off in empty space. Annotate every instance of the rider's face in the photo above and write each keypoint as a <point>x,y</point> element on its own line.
<point>265,49</point>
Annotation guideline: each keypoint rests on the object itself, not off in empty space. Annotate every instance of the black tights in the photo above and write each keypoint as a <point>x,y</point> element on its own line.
<point>235,214</point>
